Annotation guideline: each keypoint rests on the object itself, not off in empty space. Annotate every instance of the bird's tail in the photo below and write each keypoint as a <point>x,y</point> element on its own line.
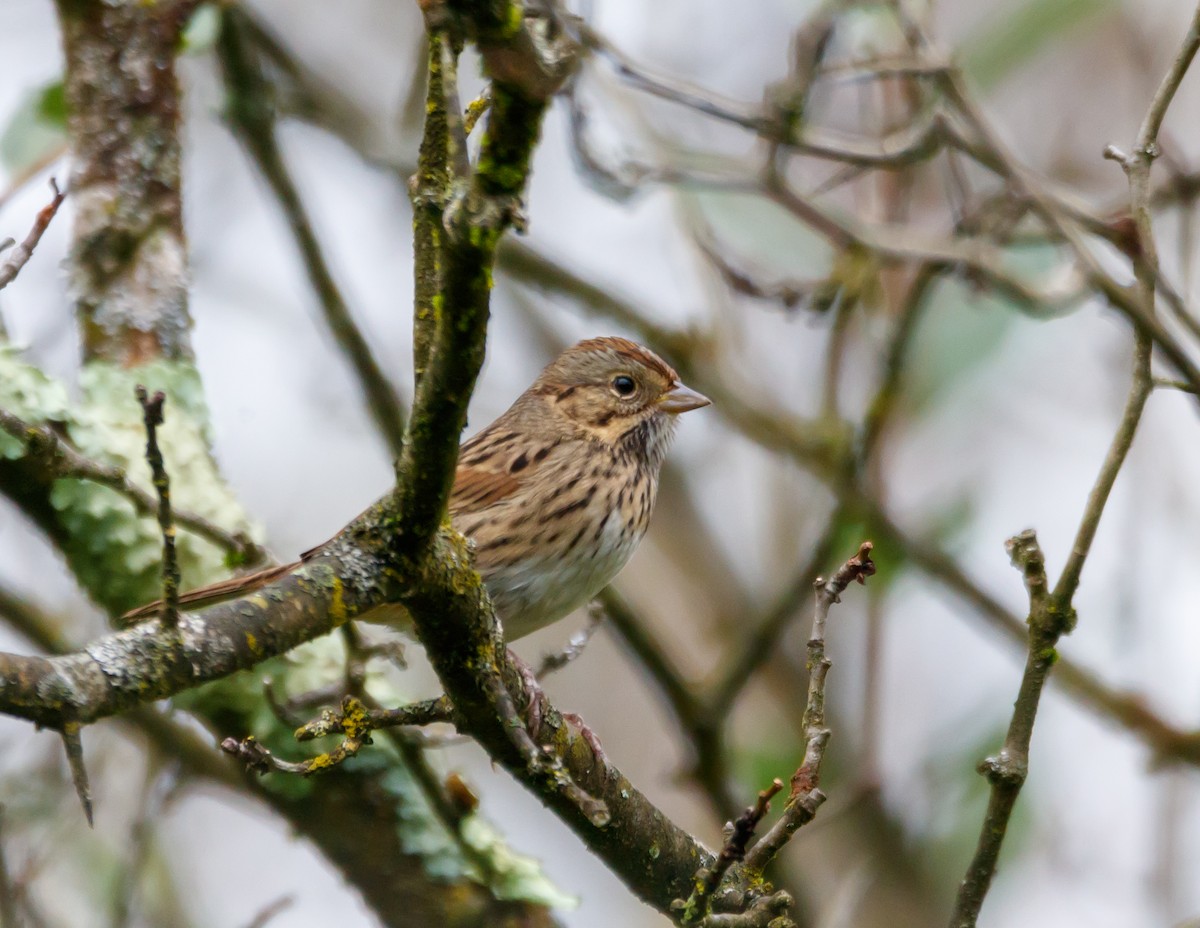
<point>215,592</point>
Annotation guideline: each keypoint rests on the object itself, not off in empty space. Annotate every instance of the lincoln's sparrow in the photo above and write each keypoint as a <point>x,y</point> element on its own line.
<point>557,492</point>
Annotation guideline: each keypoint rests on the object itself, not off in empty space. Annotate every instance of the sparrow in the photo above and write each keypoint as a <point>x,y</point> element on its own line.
<point>556,493</point>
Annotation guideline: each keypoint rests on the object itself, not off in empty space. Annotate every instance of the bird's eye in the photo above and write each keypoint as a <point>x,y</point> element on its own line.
<point>623,385</point>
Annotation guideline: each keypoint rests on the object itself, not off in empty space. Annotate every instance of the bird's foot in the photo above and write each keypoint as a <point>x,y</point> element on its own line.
<point>538,706</point>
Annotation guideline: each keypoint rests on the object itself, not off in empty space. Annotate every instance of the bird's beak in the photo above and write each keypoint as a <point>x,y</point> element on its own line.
<point>681,399</point>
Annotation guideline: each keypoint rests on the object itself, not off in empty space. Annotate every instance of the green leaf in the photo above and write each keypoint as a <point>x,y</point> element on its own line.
<point>38,127</point>
<point>1014,36</point>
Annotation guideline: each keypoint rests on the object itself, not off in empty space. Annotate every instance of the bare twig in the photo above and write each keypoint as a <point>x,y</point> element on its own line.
<point>692,98</point>
<point>740,831</point>
<point>1166,383</point>
<point>11,266</point>
<point>1137,166</point>
<point>61,459</point>
<point>270,910</point>
<point>258,759</point>
<point>787,293</point>
<point>1052,614</point>
<point>805,796</point>
<point>557,660</point>
<point>152,416</point>
<point>1006,771</point>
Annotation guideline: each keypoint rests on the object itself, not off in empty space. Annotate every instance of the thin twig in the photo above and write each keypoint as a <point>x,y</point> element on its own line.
<point>805,796</point>
<point>270,910</point>
<point>152,416</point>
<point>356,719</point>
<point>740,831</point>
<point>1166,383</point>
<point>557,660</point>
<point>258,759</point>
<point>11,266</point>
<point>1006,771</point>
<point>1052,614</point>
<point>1137,167</point>
<point>787,293</point>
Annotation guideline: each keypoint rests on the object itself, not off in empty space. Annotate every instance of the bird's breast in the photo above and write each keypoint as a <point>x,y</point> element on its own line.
<point>546,555</point>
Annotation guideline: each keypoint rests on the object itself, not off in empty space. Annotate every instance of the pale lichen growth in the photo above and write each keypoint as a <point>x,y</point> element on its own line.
<point>113,551</point>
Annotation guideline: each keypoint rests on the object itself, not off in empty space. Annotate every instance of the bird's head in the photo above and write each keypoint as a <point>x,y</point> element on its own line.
<point>617,392</point>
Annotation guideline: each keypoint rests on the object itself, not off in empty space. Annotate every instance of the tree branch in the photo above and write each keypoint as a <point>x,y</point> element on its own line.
<point>793,439</point>
<point>1007,770</point>
<point>129,259</point>
<point>11,266</point>
<point>806,797</point>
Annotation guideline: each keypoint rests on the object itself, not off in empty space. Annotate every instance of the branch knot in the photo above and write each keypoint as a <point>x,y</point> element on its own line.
<point>1004,768</point>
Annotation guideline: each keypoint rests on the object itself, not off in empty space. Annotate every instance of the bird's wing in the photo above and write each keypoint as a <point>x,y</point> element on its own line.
<point>494,466</point>
<point>477,488</point>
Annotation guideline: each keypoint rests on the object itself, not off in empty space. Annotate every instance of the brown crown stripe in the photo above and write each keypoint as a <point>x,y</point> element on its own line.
<point>631,350</point>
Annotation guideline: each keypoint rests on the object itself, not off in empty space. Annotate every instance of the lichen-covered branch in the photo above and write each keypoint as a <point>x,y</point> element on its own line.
<point>429,190</point>
<point>358,819</point>
<point>54,457</point>
<point>453,619</point>
<point>129,259</point>
<point>149,662</point>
